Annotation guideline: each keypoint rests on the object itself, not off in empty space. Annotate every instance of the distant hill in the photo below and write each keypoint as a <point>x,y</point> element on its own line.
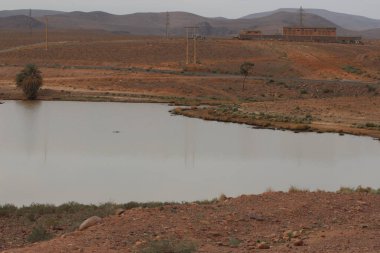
<point>19,23</point>
<point>35,13</point>
<point>370,34</point>
<point>138,23</point>
<point>155,23</point>
<point>273,23</point>
<point>346,21</point>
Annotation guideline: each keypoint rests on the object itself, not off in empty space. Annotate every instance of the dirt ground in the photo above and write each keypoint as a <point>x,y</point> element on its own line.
<point>316,222</point>
<point>294,86</point>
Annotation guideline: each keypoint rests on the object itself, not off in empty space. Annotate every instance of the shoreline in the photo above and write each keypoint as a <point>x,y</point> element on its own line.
<point>312,127</point>
<point>197,110</point>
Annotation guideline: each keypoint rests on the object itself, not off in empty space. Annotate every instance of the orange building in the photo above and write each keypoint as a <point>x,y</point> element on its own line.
<point>250,33</point>
<point>309,31</point>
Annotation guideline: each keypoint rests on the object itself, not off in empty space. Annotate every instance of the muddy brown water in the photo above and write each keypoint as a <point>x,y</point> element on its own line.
<point>55,152</point>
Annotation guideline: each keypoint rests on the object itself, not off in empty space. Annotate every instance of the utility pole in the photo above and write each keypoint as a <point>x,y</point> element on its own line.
<point>301,17</point>
<point>47,32</point>
<point>194,30</point>
<point>187,45</point>
<point>195,44</point>
<point>167,24</point>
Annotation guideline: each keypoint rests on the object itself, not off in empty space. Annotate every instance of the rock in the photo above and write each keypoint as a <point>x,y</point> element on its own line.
<point>214,234</point>
<point>94,220</point>
<point>222,198</point>
<point>298,242</point>
<point>263,245</point>
<point>257,217</point>
<point>296,234</point>
<point>119,211</point>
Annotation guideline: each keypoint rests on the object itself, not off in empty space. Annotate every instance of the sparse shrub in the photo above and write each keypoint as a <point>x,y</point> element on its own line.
<point>39,234</point>
<point>359,189</point>
<point>362,189</point>
<point>352,69</point>
<point>346,190</point>
<point>30,81</point>
<point>206,202</point>
<point>169,246</point>
<point>371,88</point>
<point>308,118</point>
<point>370,125</point>
<point>31,217</point>
<point>7,210</point>
<point>234,242</point>
<point>294,189</point>
<point>37,209</point>
<point>70,207</point>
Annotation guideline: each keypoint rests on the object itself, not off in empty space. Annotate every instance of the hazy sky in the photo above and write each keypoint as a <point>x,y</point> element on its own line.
<point>210,8</point>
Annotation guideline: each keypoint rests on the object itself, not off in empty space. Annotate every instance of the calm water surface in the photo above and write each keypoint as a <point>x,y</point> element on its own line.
<point>55,152</point>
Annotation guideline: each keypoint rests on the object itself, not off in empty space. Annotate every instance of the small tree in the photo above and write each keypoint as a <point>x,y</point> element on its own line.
<point>245,70</point>
<point>30,81</point>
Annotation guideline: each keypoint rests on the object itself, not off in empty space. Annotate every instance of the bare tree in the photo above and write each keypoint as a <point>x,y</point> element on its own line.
<point>245,70</point>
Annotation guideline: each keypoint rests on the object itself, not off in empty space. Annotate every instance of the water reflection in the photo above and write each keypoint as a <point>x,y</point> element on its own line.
<point>30,111</point>
<point>67,151</point>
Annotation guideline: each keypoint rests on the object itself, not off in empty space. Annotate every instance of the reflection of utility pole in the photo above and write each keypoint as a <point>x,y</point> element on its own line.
<point>301,17</point>
<point>167,24</point>
<point>195,37</point>
<point>47,32</point>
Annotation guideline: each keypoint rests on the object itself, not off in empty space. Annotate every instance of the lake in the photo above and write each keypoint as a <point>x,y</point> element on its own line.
<point>56,152</point>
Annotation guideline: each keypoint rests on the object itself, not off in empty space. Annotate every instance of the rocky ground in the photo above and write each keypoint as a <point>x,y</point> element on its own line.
<point>272,222</point>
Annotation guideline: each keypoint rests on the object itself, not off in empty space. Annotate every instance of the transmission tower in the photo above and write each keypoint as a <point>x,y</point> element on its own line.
<point>46,33</point>
<point>30,22</point>
<point>301,16</point>
<point>167,24</point>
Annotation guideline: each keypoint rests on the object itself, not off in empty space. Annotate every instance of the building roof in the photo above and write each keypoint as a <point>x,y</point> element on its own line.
<point>306,27</point>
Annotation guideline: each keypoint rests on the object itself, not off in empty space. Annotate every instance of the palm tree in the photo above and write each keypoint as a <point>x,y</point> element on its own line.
<point>30,81</point>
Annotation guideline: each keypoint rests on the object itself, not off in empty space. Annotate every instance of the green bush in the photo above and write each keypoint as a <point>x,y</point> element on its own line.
<point>7,210</point>
<point>39,234</point>
<point>352,69</point>
<point>170,246</point>
<point>371,88</point>
<point>30,81</point>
